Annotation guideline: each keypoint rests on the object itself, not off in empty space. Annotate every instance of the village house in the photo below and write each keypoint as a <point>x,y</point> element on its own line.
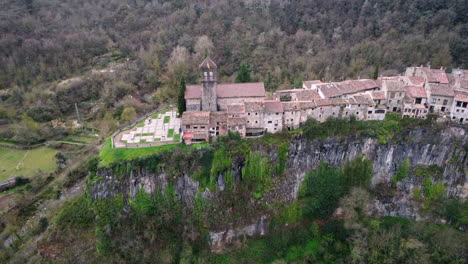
<point>459,113</point>
<point>395,94</point>
<point>214,109</point>
<point>415,102</point>
<point>273,116</point>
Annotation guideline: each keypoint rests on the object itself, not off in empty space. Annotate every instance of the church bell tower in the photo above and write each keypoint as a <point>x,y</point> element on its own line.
<point>209,101</point>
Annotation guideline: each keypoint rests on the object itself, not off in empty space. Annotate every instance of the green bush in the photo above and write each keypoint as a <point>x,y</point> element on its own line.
<point>402,171</point>
<point>78,214</point>
<point>321,191</point>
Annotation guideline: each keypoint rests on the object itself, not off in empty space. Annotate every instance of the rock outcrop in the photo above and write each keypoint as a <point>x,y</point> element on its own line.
<point>423,147</point>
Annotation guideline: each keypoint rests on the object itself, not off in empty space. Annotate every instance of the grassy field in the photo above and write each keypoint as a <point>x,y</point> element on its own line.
<point>109,155</point>
<point>35,160</point>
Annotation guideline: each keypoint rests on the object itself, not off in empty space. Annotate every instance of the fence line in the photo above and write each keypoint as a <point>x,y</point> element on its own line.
<point>137,121</point>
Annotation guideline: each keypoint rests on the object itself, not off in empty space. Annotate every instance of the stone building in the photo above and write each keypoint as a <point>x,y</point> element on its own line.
<point>214,109</point>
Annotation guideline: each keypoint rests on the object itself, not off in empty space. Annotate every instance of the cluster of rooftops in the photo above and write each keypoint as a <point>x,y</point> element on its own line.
<point>244,107</point>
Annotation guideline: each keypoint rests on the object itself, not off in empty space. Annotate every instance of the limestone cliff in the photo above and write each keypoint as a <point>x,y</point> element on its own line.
<point>423,147</point>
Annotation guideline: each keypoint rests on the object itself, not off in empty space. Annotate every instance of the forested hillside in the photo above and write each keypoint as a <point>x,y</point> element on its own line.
<point>155,42</point>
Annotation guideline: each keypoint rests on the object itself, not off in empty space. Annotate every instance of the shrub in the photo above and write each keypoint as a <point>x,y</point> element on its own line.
<point>402,171</point>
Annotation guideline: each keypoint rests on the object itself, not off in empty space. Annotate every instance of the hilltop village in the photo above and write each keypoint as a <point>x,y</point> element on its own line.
<point>214,108</point>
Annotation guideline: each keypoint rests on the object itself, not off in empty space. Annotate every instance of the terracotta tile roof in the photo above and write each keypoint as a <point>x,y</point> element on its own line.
<point>253,106</point>
<point>331,90</point>
<point>216,117</point>
<point>440,75</point>
<point>328,90</point>
<point>323,102</point>
<point>235,108</point>
<point>307,95</point>
<point>429,76</point>
<point>345,88</point>
<point>338,101</point>
<point>370,84</point>
<point>272,106</point>
<point>394,86</point>
<point>415,91</point>
<point>461,96</point>
<point>236,121</point>
<point>307,104</point>
<point>228,90</point>
<point>378,95</point>
<point>358,85</point>
<point>195,118</point>
<point>441,89</point>
<point>415,80</point>
<point>363,99</point>
<point>308,84</point>
<point>290,106</point>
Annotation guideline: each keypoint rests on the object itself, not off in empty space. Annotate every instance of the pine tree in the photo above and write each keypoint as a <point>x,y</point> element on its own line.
<point>181,107</point>
<point>244,75</point>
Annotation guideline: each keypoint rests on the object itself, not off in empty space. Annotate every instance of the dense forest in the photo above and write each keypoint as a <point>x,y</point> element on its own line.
<point>131,53</point>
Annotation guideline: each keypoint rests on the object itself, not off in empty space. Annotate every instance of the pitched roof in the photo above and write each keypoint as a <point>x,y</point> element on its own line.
<point>394,85</point>
<point>338,101</point>
<point>196,118</point>
<point>307,95</point>
<point>290,106</point>
<point>440,75</point>
<point>272,106</point>
<point>441,89</point>
<point>415,80</point>
<point>216,117</point>
<point>253,106</point>
<point>208,64</point>
<point>308,84</point>
<point>228,90</point>
<point>323,102</point>
<point>306,104</point>
<point>370,84</point>
<point>378,95</point>
<point>235,121</point>
<point>415,91</point>
<point>461,96</point>
<point>236,108</point>
<point>363,99</point>
<point>329,90</point>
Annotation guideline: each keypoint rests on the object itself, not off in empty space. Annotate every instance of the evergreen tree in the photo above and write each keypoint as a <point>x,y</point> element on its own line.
<point>376,72</point>
<point>244,75</point>
<point>181,107</point>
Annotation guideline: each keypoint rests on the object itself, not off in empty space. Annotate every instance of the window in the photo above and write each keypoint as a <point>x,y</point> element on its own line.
<point>248,121</point>
<point>418,101</point>
<point>392,95</point>
<point>240,127</point>
<point>206,74</point>
<point>202,127</point>
<point>465,105</point>
<point>211,74</point>
<point>358,105</point>
<point>256,113</point>
<point>269,122</point>
<point>459,104</point>
<point>195,127</point>
<point>357,113</point>
<point>256,122</point>
<point>187,127</point>
<point>248,113</point>
<point>369,112</point>
<point>434,100</point>
<point>445,102</point>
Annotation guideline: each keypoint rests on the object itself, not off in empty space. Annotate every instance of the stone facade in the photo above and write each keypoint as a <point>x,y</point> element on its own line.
<point>243,108</point>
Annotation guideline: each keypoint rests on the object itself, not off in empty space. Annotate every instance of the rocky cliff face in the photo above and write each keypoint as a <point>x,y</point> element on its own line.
<point>446,149</point>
